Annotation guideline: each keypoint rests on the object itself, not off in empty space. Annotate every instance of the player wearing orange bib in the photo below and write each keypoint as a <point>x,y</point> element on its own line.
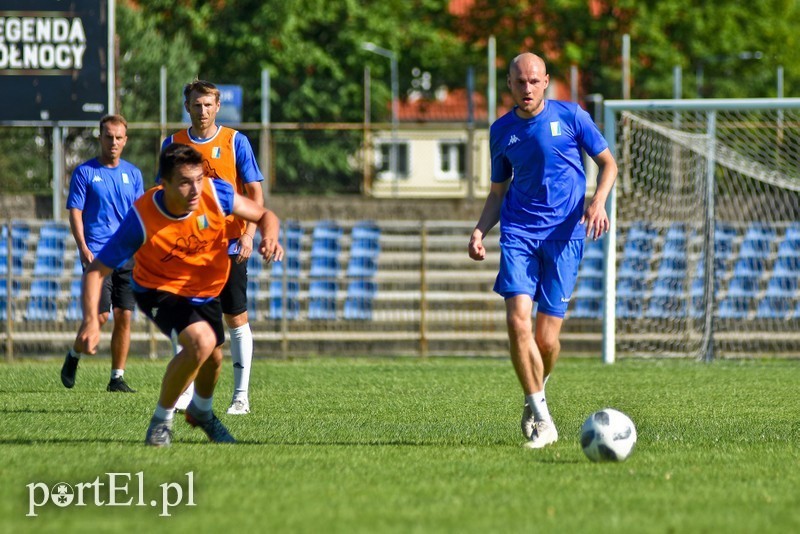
<point>227,155</point>
<point>177,234</point>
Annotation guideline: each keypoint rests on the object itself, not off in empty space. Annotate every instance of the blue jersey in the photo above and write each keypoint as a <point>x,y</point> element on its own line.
<point>104,195</point>
<point>130,235</point>
<point>545,199</point>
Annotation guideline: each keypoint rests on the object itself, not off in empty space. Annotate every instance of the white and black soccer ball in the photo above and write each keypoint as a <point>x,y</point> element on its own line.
<point>608,436</point>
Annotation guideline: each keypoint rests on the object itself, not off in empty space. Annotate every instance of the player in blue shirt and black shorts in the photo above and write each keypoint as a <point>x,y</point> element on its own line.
<point>537,195</point>
<point>101,192</point>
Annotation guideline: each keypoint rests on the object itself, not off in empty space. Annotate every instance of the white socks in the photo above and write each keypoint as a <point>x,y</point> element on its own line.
<point>164,414</point>
<point>538,404</point>
<point>73,354</point>
<point>117,373</point>
<point>201,403</point>
<point>242,357</point>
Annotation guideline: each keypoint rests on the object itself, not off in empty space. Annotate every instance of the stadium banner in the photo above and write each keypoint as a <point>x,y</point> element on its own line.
<point>55,59</point>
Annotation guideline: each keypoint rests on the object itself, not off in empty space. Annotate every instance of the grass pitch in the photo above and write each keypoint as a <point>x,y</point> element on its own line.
<point>367,445</point>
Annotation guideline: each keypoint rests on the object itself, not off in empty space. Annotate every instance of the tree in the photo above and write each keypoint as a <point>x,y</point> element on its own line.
<point>712,37</point>
<point>312,49</point>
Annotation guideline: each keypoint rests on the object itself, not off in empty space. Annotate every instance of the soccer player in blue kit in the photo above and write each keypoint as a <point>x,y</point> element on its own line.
<point>537,195</point>
<point>101,192</point>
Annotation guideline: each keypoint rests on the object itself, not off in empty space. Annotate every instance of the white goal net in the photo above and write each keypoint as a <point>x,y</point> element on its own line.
<point>705,257</point>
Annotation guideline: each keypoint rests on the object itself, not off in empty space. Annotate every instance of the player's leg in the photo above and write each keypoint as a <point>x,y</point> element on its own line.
<point>177,316</point>
<point>199,413</point>
<point>560,260</point>
<point>234,309</point>
<point>69,369</point>
<point>517,281</point>
<point>123,304</point>
<point>120,345</point>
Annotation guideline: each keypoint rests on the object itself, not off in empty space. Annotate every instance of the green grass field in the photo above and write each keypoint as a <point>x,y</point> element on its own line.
<point>367,445</point>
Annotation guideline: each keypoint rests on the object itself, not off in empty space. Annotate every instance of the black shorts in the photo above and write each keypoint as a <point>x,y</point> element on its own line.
<point>117,289</point>
<point>234,294</point>
<point>173,313</point>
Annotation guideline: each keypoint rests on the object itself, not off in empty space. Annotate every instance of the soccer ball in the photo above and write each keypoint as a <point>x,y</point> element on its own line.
<point>608,436</point>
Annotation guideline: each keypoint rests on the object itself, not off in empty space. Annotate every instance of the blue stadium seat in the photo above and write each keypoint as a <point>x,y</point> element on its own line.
<point>362,267</point>
<point>674,242</point>
<point>253,288</point>
<point>774,307</point>
<point>783,284</point>
<point>55,230</point>
<point>16,262</point>
<point>629,307</point>
<point>588,287</point>
<point>631,286</point>
<point>587,308</point>
<point>277,301</point>
<point>638,243</point>
<point>743,286</point>
<point>669,285</point>
<point>638,267</point>
<point>593,249</point>
<point>789,247</point>
<point>365,239</point>
<point>666,307</point>
<point>359,300</point>
<point>15,289</point>
<point>672,266</point>
<point>42,304</point>
<point>786,265</point>
<point>322,300</point>
<point>750,266</point>
<point>74,311</point>
<point>591,266</point>
<point>325,249</point>
<point>735,307</point>
<point>255,264</point>
<point>49,264</point>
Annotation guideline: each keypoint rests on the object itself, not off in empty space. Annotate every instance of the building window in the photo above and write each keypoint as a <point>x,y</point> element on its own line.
<point>452,160</point>
<point>383,160</point>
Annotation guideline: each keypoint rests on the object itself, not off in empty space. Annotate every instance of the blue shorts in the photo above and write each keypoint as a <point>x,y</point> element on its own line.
<point>545,270</point>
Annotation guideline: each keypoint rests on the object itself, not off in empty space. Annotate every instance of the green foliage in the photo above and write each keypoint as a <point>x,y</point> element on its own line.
<point>24,160</point>
<point>144,49</point>
<point>409,445</point>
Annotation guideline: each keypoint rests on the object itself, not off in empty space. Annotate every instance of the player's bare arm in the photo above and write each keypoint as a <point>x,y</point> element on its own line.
<point>76,226</point>
<point>488,219</point>
<point>252,191</point>
<point>595,217</point>
<point>266,221</point>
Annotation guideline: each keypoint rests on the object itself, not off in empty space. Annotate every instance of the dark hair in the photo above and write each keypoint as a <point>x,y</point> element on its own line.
<point>201,86</point>
<point>176,155</point>
<point>115,119</point>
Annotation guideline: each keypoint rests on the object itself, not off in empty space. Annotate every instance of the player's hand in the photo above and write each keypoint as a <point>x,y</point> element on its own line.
<point>245,248</point>
<point>596,220</point>
<point>86,257</point>
<point>270,250</point>
<point>88,337</point>
<point>476,250</point>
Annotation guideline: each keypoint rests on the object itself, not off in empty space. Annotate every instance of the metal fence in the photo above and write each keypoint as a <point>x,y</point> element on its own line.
<point>411,290</point>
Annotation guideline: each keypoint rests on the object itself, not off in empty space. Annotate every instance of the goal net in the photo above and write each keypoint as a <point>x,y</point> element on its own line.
<point>704,258</point>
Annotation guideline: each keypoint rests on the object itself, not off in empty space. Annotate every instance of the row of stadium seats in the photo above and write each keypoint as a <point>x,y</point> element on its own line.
<point>755,274</point>
<point>323,274</point>
<point>46,292</point>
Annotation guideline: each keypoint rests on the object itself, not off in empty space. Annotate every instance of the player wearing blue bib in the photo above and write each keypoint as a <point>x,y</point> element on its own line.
<point>538,196</point>
<point>101,192</point>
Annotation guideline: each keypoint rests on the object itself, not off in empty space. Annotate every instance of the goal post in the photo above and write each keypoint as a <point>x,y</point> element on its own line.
<point>703,255</point>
